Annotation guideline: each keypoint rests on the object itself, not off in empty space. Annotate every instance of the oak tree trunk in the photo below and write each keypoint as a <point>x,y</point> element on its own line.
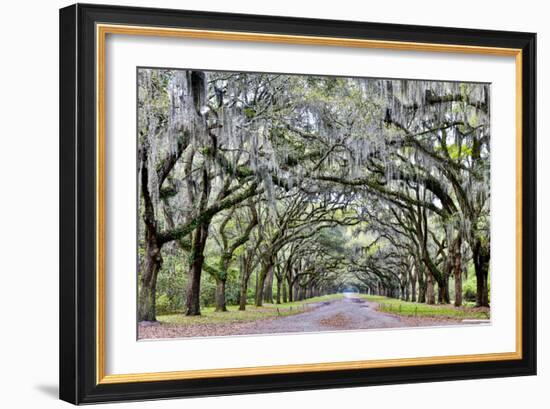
<point>266,267</point>
<point>481,264</point>
<point>148,282</point>
<point>268,286</point>
<point>196,261</point>
<point>457,273</point>
<point>443,293</point>
<point>422,286</point>
<point>430,294</point>
<point>243,296</point>
<point>220,295</point>
<point>413,289</point>
<point>290,291</point>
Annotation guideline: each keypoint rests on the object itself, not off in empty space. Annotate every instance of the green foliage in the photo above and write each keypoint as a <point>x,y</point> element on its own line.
<point>232,287</point>
<point>249,112</point>
<point>164,305</point>
<point>469,289</point>
<point>456,152</point>
<point>208,290</point>
<point>469,286</point>
<point>171,283</point>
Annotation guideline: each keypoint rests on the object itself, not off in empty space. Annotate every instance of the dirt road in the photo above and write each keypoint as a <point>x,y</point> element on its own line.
<point>348,313</point>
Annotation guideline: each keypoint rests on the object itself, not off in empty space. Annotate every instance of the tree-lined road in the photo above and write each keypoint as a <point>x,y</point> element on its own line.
<point>274,189</point>
<point>347,313</point>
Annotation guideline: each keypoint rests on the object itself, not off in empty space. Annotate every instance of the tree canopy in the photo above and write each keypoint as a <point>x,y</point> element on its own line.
<point>253,184</point>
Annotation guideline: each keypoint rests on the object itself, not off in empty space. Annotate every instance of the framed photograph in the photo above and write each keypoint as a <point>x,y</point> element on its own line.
<point>257,203</point>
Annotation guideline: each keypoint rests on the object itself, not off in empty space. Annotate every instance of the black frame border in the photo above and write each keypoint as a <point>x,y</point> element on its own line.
<point>78,197</point>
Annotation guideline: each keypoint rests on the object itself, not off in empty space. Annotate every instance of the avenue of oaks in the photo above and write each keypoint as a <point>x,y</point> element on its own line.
<point>261,188</point>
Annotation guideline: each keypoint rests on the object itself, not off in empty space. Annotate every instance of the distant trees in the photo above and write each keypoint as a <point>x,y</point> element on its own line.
<point>307,185</point>
<point>435,197</point>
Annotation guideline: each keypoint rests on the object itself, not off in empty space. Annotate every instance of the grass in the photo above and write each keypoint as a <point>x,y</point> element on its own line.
<point>313,300</point>
<point>412,309</point>
<point>390,305</point>
<point>252,313</point>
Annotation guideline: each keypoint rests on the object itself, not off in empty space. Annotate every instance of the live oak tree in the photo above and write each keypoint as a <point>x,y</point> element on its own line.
<point>229,245</point>
<point>162,139</point>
